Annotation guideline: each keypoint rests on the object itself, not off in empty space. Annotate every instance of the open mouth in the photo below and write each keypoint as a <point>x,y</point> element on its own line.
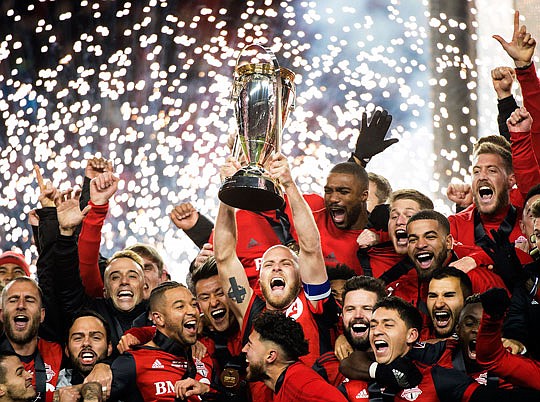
<point>125,294</point>
<point>485,193</point>
<point>191,325</point>
<point>425,258</point>
<point>359,328</point>
<point>21,321</point>
<point>442,318</point>
<point>338,214</point>
<point>218,314</point>
<point>472,349</point>
<point>401,237</point>
<point>87,357</point>
<point>277,284</point>
<point>380,346</point>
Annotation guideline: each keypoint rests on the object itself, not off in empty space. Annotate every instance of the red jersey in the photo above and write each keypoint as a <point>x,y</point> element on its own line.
<point>462,228</point>
<point>89,243</point>
<point>530,88</point>
<point>315,321</point>
<point>338,245</point>
<point>149,374</point>
<point>410,289</point>
<point>492,355</point>
<point>256,235</point>
<point>379,258</point>
<point>51,353</point>
<point>299,383</point>
<point>327,366</point>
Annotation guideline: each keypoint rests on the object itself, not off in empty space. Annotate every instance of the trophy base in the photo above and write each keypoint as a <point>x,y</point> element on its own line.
<point>248,189</point>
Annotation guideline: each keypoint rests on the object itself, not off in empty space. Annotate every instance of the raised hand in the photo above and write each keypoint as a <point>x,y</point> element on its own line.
<point>68,211</point>
<point>103,187</point>
<point>184,216</point>
<point>229,168</point>
<point>95,166</point>
<point>206,252</point>
<point>47,191</point>
<point>502,79</point>
<point>520,121</point>
<point>279,169</point>
<point>521,47</point>
<point>460,194</point>
<point>371,140</point>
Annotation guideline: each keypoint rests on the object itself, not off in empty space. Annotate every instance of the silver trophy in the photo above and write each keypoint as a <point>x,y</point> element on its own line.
<point>263,96</point>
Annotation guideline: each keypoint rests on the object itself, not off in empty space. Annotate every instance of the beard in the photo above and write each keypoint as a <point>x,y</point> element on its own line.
<point>501,201</point>
<point>18,337</point>
<point>357,344</point>
<point>178,331</point>
<point>279,302</point>
<point>85,369</point>
<point>438,262</point>
<point>256,372</point>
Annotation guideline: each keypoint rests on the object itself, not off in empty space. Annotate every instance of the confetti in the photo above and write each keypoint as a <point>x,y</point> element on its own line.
<point>147,85</point>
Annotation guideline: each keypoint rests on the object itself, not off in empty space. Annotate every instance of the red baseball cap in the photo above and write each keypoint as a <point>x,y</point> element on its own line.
<point>11,257</point>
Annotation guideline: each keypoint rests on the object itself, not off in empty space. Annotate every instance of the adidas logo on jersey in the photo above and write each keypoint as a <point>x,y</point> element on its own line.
<point>362,394</point>
<point>252,243</point>
<point>157,365</point>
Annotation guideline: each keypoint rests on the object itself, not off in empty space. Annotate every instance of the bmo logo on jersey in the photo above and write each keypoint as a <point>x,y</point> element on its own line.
<point>164,387</point>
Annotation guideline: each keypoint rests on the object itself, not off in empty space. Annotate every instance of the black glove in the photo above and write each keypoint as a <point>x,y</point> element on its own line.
<point>495,302</point>
<point>402,373</point>
<point>371,140</point>
<point>505,260</point>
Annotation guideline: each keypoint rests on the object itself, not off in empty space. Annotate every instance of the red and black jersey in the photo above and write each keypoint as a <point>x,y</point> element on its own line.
<point>149,374</point>
<point>338,245</point>
<point>327,366</point>
<point>299,383</point>
<point>45,365</point>
<point>258,231</point>
<point>462,228</point>
<point>379,259</point>
<point>315,321</point>
<point>491,354</point>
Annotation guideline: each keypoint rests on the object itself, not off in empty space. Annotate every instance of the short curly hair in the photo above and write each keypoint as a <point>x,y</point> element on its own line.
<point>284,332</point>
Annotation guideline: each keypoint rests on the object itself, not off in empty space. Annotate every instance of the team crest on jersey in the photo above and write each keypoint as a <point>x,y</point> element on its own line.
<point>258,263</point>
<point>50,372</point>
<point>411,394</point>
<point>482,378</point>
<point>201,367</point>
<point>179,364</point>
<point>50,375</point>
<point>295,310</point>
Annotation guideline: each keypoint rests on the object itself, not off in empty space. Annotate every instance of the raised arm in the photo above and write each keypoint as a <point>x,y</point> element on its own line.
<point>231,272</point>
<point>102,188</point>
<point>311,260</point>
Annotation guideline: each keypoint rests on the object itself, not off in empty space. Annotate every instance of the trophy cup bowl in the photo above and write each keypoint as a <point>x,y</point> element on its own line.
<point>263,96</point>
